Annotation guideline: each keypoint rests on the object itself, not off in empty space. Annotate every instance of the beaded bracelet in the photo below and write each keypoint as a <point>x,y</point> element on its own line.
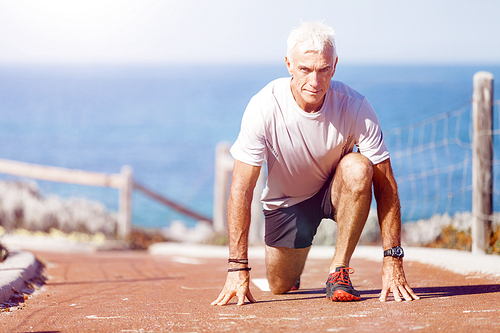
<point>239,269</point>
<point>238,261</point>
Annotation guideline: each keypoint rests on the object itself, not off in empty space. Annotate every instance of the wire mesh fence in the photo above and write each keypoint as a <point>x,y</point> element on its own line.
<point>432,162</point>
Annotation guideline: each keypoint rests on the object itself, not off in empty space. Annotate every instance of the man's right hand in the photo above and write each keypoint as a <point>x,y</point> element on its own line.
<point>237,284</point>
<point>239,215</point>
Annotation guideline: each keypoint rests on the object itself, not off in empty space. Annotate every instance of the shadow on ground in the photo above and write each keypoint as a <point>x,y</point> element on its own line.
<point>445,291</point>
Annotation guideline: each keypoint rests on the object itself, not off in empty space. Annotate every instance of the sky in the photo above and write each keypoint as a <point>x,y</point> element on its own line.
<point>173,32</point>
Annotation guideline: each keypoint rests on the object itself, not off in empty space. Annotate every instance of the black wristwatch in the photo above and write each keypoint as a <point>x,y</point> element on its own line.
<point>396,252</point>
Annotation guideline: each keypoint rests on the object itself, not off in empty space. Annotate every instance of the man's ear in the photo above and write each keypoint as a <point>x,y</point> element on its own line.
<point>335,66</point>
<point>289,65</point>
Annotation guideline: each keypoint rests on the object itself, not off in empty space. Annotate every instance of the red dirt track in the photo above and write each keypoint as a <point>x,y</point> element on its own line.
<point>138,292</point>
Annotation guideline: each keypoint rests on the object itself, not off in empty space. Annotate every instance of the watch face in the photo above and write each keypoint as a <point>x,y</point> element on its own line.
<point>398,251</point>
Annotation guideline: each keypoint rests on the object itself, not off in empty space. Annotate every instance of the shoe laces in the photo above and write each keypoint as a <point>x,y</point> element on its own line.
<point>341,277</point>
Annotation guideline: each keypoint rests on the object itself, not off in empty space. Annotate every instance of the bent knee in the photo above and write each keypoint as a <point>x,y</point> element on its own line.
<point>280,287</point>
<point>356,171</point>
<point>284,266</point>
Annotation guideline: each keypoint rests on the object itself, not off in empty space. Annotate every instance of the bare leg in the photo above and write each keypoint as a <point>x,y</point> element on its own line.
<point>351,199</point>
<point>284,267</point>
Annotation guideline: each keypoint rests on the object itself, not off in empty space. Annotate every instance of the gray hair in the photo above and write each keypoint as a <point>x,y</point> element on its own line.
<point>315,36</point>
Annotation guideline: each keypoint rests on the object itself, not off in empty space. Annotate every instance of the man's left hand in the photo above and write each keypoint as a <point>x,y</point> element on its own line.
<point>394,280</point>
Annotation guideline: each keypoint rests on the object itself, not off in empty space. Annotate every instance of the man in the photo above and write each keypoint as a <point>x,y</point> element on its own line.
<point>305,128</point>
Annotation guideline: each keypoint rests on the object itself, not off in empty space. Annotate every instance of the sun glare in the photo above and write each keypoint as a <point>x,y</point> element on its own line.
<point>62,29</point>
<point>73,19</point>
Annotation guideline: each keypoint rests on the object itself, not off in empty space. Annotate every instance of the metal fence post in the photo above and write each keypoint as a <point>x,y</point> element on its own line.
<point>482,161</point>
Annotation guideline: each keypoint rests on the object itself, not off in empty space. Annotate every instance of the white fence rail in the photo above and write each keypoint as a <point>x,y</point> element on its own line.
<point>121,181</point>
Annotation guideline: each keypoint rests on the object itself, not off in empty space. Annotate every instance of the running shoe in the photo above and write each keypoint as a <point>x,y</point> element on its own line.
<point>339,287</point>
<point>296,286</point>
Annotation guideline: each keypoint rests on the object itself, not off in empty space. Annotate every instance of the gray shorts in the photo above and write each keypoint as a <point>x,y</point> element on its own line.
<point>295,226</point>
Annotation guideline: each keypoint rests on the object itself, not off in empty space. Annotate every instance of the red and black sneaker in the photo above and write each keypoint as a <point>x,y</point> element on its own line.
<point>339,287</point>
<point>296,286</point>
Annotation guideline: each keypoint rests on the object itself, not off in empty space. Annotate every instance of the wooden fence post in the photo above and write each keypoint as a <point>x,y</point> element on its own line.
<point>482,161</point>
<point>125,203</point>
<point>223,168</point>
<point>256,233</point>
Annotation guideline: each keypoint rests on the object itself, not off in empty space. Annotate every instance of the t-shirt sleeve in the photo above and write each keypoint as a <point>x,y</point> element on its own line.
<point>250,145</point>
<point>369,136</point>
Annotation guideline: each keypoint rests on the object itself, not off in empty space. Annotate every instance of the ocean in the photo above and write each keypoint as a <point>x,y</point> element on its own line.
<point>165,122</point>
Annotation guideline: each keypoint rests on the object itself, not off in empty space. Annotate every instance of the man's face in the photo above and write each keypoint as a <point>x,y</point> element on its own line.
<point>311,73</point>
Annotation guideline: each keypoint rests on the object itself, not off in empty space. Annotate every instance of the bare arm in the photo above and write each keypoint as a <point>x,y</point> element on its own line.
<point>238,220</point>
<point>389,215</point>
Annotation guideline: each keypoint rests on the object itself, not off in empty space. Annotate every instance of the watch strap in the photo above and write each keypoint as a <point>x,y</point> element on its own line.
<point>396,252</point>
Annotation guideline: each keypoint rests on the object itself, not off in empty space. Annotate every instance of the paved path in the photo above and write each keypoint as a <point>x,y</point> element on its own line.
<point>139,292</point>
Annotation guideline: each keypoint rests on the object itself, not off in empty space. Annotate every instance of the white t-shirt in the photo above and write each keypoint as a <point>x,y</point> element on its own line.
<point>302,149</point>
